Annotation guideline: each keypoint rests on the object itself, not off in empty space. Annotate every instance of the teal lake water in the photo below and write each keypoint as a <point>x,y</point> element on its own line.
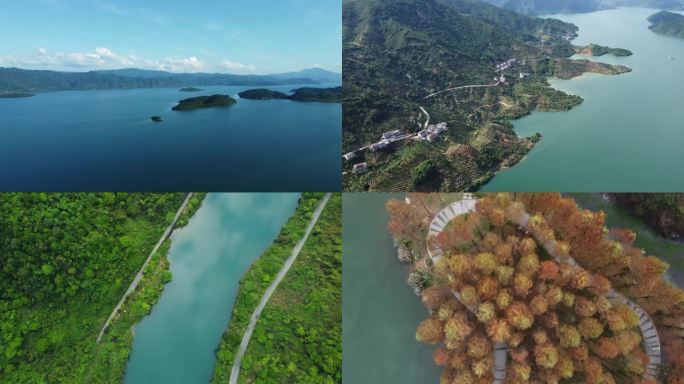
<point>628,134</point>
<point>104,140</point>
<point>175,344</point>
<point>380,312</point>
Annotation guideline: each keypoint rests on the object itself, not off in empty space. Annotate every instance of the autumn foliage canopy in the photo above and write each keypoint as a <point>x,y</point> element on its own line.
<point>540,275</point>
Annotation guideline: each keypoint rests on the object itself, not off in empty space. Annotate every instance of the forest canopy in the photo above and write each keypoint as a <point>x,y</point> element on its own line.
<point>546,279</point>
<point>65,260</point>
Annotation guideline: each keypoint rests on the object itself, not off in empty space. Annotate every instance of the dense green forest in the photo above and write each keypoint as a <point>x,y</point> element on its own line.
<point>298,336</point>
<point>668,23</point>
<point>65,261</point>
<point>662,211</point>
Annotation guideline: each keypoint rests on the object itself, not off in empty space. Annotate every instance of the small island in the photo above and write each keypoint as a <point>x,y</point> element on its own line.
<point>15,95</point>
<point>156,119</point>
<point>600,50</point>
<point>262,94</point>
<point>190,89</point>
<point>667,23</point>
<point>569,69</point>
<point>214,101</point>
<point>322,95</point>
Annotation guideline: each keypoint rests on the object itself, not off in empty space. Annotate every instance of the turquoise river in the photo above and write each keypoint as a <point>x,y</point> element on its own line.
<point>175,344</point>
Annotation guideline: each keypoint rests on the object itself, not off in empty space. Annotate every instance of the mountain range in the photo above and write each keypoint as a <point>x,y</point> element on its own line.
<point>542,7</point>
<point>23,80</point>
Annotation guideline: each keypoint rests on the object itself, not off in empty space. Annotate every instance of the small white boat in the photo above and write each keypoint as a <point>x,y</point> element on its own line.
<point>670,57</point>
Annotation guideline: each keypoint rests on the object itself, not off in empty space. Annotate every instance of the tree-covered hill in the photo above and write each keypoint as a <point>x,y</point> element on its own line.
<point>667,23</point>
<point>65,261</point>
<point>398,52</point>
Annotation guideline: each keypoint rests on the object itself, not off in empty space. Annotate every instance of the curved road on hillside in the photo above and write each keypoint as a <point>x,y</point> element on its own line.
<point>140,274</point>
<point>463,87</point>
<point>646,325</point>
<point>235,372</point>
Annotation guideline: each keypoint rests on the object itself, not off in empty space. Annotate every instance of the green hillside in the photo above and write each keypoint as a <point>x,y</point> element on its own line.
<point>398,52</point>
<point>667,23</point>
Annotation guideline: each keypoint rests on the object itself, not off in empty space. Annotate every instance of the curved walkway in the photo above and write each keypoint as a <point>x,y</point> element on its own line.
<point>648,330</point>
<point>139,276</point>
<point>235,372</point>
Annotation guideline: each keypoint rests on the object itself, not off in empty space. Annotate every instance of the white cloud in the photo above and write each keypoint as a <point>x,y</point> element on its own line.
<point>238,67</point>
<point>189,64</point>
<point>99,58</point>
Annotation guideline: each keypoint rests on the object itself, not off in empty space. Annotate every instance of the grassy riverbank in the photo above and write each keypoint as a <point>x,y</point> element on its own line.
<point>315,355</point>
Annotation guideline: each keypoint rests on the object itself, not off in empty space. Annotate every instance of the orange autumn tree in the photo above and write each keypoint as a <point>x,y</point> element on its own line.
<point>497,282</point>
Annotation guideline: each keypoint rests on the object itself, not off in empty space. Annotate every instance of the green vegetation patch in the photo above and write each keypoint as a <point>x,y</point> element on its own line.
<point>65,262</point>
<point>255,282</point>
<point>298,338</point>
<point>213,101</point>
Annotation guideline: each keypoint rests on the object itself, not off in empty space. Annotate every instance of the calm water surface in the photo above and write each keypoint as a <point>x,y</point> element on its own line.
<point>105,140</point>
<point>380,312</point>
<point>175,344</point>
<point>628,134</point>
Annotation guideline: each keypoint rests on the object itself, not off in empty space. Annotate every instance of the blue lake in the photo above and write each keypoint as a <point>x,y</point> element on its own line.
<point>104,140</point>
<point>627,135</point>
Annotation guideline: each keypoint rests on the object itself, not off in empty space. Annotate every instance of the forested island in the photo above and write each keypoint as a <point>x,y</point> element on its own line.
<point>600,50</point>
<point>298,338</point>
<point>66,261</point>
<point>667,23</point>
<point>332,95</point>
<point>530,287</point>
<point>190,89</point>
<point>214,101</point>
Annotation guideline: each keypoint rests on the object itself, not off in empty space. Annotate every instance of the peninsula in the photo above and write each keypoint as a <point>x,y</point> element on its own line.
<point>600,50</point>
<point>213,101</point>
<point>190,89</point>
<point>667,23</point>
<point>569,69</point>
<point>331,95</point>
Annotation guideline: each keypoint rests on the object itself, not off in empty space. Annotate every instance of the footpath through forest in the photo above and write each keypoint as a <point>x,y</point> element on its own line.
<point>235,372</point>
<point>141,272</point>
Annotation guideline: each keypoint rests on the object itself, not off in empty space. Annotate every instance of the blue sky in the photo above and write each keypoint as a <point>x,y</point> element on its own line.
<point>228,36</point>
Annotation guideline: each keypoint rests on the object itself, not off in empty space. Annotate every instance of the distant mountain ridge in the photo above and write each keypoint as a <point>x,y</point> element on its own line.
<point>541,7</point>
<point>15,79</point>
